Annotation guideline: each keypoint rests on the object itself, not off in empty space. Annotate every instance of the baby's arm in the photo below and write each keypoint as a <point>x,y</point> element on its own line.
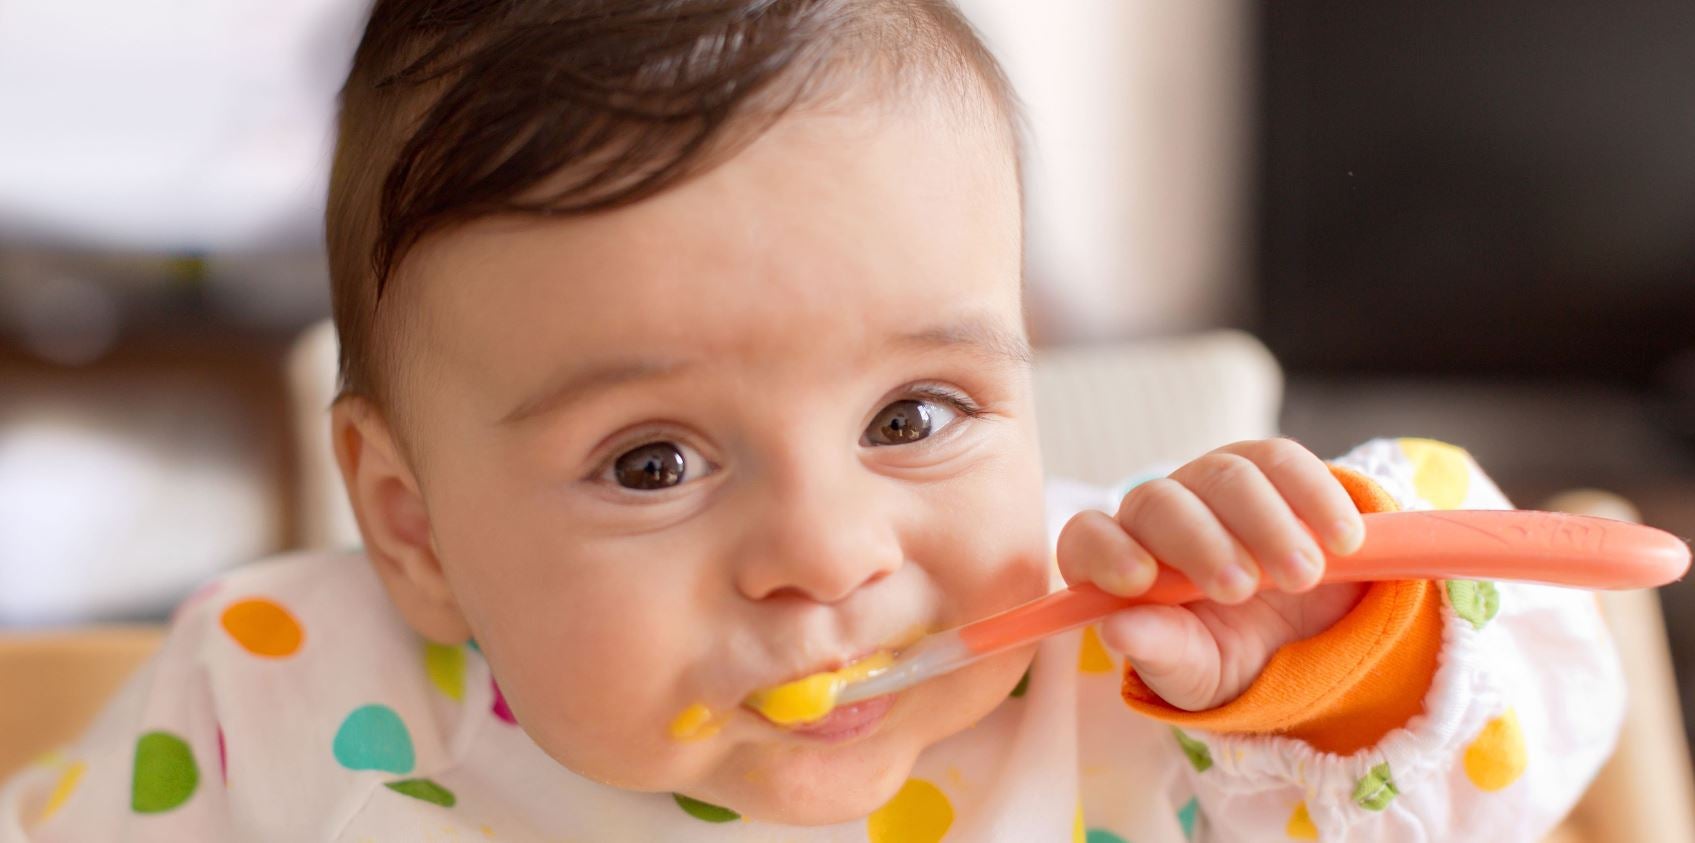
<point>1523,707</point>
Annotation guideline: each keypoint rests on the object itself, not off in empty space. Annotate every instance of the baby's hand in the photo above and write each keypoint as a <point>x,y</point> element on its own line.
<point>1223,520</point>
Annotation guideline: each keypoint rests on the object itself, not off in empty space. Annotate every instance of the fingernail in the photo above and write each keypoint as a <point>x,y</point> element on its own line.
<point>1303,567</point>
<point>1113,581</point>
<point>1345,535</point>
<point>1236,584</point>
<point>1121,580</point>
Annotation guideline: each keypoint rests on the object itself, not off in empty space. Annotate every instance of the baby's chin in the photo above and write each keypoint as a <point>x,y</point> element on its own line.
<point>817,786</point>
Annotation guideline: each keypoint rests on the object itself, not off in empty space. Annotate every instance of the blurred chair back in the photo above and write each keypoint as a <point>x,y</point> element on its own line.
<point>55,682</point>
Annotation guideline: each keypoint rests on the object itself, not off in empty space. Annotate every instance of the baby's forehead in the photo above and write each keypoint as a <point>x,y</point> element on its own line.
<point>492,140</point>
<point>820,202</point>
<point>827,251</point>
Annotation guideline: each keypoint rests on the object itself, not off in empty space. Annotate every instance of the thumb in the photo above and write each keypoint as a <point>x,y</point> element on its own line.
<point>1171,650</point>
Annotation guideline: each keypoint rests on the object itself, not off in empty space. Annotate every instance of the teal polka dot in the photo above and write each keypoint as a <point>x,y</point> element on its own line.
<point>374,738</point>
<point>165,774</point>
<point>1101,835</point>
<point>1186,817</point>
<point>705,810</point>
<point>423,789</point>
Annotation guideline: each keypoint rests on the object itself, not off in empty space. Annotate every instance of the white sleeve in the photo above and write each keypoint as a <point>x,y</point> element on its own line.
<point>1525,706</point>
<point>148,768</point>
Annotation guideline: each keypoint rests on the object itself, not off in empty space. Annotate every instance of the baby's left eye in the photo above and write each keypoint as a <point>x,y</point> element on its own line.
<point>907,421</point>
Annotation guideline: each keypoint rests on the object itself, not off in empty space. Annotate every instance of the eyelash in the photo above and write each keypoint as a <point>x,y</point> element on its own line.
<point>956,399</point>
<point>959,400</point>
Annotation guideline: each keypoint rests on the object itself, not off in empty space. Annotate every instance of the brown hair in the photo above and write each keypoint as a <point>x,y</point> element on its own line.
<point>457,109</point>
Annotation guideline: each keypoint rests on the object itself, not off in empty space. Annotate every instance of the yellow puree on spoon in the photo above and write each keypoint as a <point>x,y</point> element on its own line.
<point>812,697</point>
<point>801,701</point>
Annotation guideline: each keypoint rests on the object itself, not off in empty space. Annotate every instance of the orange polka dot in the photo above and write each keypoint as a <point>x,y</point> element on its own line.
<point>262,627</point>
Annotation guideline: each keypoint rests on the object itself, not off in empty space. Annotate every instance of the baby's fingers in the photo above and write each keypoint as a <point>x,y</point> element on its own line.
<point>1254,511</point>
<point>1308,487</point>
<point>1182,531</point>
<point>1093,548</point>
<point>1171,650</point>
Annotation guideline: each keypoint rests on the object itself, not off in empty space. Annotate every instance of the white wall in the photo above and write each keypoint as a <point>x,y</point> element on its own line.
<point>1140,111</point>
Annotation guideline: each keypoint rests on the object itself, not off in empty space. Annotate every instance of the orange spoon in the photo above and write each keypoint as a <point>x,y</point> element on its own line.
<point>1522,545</point>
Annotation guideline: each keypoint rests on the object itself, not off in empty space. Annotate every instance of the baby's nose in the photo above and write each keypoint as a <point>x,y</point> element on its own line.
<point>819,541</point>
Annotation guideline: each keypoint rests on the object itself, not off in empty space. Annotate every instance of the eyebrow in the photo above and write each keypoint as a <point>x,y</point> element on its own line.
<point>977,334</point>
<point>599,378</point>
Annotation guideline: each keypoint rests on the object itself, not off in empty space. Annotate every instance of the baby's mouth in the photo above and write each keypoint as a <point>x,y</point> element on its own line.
<point>811,699</point>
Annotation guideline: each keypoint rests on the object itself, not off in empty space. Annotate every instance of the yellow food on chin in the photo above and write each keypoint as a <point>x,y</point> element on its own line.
<point>694,723</point>
<point>813,697</point>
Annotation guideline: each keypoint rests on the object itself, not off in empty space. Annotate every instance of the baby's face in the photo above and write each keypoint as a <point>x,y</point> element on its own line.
<point>769,421</point>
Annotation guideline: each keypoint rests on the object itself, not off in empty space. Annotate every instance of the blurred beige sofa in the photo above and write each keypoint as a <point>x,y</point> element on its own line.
<point>1102,410</point>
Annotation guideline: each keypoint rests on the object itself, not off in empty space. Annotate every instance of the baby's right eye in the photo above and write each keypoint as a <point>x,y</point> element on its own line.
<point>654,466</point>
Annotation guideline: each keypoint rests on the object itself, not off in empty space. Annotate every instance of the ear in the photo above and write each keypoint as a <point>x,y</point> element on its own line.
<point>389,506</point>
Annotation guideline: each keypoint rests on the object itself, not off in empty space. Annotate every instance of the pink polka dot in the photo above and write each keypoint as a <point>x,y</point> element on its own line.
<point>500,709</point>
<point>223,763</point>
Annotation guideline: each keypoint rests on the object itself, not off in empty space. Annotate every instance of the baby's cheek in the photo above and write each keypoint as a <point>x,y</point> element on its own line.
<point>596,686</point>
<point>598,712</point>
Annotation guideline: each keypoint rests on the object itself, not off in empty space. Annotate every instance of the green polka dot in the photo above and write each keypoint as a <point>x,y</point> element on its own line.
<point>1376,789</point>
<point>165,774</point>
<point>1101,835</point>
<point>1186,817</point>
<point>472,643</point>
<point>705,810</point>
<point>1199,756</point>
<point>423,789</point>
<point>1475,600</point>
<point>446,669</point>
<point>1022,686</point>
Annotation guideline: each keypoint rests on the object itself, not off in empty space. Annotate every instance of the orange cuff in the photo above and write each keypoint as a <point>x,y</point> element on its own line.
<point>1345,688</point>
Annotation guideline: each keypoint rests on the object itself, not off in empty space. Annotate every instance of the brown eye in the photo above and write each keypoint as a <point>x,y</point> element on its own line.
<point>905,422</point>
<point>657,465</point>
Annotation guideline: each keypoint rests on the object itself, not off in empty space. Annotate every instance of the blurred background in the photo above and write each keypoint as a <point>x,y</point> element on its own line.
<point>1469,221</point>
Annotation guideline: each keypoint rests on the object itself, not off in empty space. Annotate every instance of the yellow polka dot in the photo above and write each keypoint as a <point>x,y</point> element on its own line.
<point>1093,657</point>
<point>919,813</point>
<point>1078,833</point>
<point>262,627</point>
<point>1497,757</point>
<point>1300,825</point>
<point>446,668</point>
<point>63,790</point>
<point>1441,473</point>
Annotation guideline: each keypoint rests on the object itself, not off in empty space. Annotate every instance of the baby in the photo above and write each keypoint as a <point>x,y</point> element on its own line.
<point>683,356</point>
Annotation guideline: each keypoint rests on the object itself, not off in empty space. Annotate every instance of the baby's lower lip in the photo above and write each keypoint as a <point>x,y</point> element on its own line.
<point>846,722</point>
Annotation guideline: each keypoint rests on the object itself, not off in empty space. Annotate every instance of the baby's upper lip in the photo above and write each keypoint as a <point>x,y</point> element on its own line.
<point>847,656</point>
<point>823,666</point>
